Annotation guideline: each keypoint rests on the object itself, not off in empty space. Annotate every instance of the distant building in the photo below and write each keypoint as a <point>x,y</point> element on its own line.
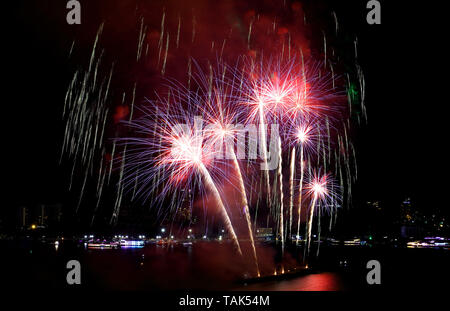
<point>374,204</point>
<point>264,233</point>
<point>410,231</point>
<point>409,215</point>
<point>44,216</point>
<point>24,221</point>
<point>412,221</point>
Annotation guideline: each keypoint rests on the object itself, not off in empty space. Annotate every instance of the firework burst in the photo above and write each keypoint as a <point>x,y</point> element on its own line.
<point>322,190</point>
<point>173,143</point>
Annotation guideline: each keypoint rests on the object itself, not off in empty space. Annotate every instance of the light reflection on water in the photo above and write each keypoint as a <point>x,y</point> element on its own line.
<point>325,281</point>
<point>199,266</point>
<point>208,265</point>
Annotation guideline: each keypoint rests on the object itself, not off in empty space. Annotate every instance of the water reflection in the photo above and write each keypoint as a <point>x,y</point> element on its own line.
<point>214,266</point>
<point>325,281</point>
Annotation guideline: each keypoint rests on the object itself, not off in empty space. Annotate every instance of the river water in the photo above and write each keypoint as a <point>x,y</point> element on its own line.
<point>215,266</point>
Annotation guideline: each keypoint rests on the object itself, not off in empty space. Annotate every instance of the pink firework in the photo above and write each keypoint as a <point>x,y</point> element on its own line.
<point>322,190</point>
<point>268,87</point>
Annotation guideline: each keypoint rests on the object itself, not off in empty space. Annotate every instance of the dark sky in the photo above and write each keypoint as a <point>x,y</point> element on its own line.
<point>401,152</point>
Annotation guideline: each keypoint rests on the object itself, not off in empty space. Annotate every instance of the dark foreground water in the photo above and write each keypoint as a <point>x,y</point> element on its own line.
<point>215,266</point>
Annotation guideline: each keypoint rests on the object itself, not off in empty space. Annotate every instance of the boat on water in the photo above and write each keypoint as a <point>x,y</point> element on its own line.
<point>98,244</point>
<point>126,243</point>
<point>430,242</point>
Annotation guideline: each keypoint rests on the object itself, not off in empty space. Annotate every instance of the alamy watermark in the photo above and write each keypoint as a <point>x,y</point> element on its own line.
<point>242,141</point>
<point>74,274</point>
<point>374,15</point>
<point>374,275</point>
<point>74,14</point>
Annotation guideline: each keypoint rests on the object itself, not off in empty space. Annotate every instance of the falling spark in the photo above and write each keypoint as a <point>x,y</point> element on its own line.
<point>280,176</point>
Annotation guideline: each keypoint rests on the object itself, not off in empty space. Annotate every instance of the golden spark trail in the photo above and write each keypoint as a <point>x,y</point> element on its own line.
<point>210,185</point>
<point>262,134</point>
<point>291,183</point>
<point>245,204</point>
<point>280,176</point>
<point>300,192</point>
<point>311,214</point>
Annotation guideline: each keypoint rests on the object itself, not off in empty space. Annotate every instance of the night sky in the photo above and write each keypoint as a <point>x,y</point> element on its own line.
<point>401,151</point>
